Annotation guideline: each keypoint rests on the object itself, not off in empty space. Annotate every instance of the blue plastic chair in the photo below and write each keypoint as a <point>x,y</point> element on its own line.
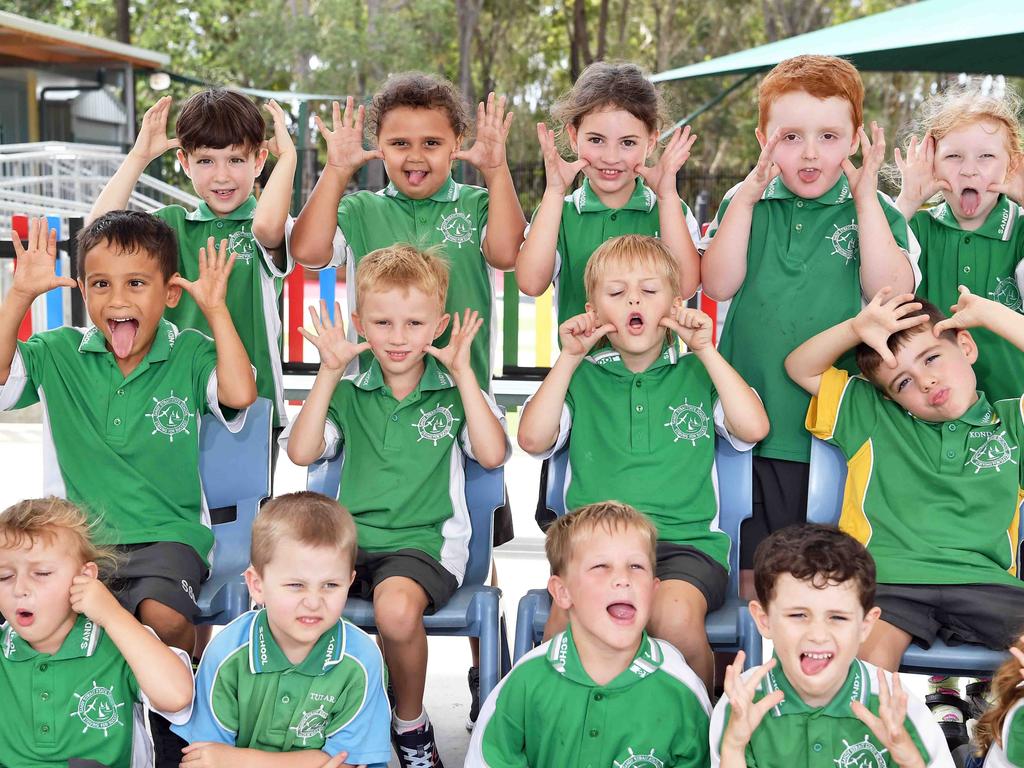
<point>731,627</point>
<point>235,470</point>
<point>824,505</point>
<point>474,610</point>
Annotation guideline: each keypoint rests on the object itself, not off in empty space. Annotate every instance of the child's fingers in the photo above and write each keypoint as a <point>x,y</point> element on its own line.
<point>336,122</point>
<point>761,708</point>
<point>321,128</point>
<point>314,318</point>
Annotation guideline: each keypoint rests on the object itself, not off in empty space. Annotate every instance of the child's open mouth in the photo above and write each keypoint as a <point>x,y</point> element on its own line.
<point>813,662</point>
<point>609,173</point>
<point>309,621</point>
<point>416,178</point>
<point>635,323</point>
<point>398,356</point>
<point>223,194</point>
<point>622,613</point>
<point>970,200</point>
<point>809,175</point>
<point>122,335</point>
<point>24,618</point>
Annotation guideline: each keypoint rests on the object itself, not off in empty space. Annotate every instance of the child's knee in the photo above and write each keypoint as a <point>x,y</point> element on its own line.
<point>398,610</point>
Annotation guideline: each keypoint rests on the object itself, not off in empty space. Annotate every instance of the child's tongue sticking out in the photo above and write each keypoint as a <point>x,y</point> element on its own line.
<point>969,201</point>
<point>122,336</point>
<point>813,663</point>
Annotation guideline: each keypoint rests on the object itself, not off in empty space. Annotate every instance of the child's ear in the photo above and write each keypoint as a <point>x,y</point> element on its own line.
<point>573,137</point>
<point>81,287</point>
<point>855,145</point>
<point>870,618</point>
<point>261,159</point>
<point>91,570</point>
<point>254,582</point>
<point>761,619</point>
<point>559,593</point>
<point>677,302</point>
<point>183,161</point>
<point>441,325</point>
<point>357,323</point>
<point>967,345</point>
<point>652,143</point>
<point>761,138</point>
<point>173,292</point>
<point>588,307</point>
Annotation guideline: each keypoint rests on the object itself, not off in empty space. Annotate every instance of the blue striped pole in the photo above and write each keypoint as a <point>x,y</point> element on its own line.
<point>55,298</point>
<point>328,278</point>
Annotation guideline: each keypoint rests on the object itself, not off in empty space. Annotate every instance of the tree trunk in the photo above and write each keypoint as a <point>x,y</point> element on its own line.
<point>602,31</point>
<point>124,24</point>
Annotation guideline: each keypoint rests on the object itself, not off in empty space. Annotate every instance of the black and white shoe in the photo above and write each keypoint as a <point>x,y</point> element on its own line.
<point>473,678</point>
<point>417,749</point>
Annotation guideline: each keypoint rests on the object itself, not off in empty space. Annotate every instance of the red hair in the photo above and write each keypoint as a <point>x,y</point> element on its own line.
<point>820,76</point>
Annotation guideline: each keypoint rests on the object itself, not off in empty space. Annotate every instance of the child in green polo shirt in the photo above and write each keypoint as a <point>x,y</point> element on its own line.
<point>220,146</point>
<point>123,401</point>
<point>640,421</point>
<point>918,435</point>
<point>603,692</point>
<point>404,425</point>
<point>971,154</point>
<point>612,115</point>
<point>77,670</point>
<point>814,704</point>
<point>293,683</point>
<point>795,247</point>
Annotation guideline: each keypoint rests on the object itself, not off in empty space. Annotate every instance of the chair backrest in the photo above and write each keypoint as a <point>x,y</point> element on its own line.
<point>826,483</point>
<point>236,466</point>
<point>485,492</point>
<point>734,483</point>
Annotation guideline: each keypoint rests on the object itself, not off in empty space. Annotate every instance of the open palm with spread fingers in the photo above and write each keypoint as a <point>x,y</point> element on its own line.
<point>36,266</point>
<point>746,714</point>
<point>152,140</point>
<point>559,173</point>
<point>661,177</point>
<point>345,140</point>
<point>456,356</point>
<point>888,725</point>
<point>883,316</point>
<point>761,175</point>
<point>281,142</point>
<point>210,290</point>
<point>917,171</point>
<point>336,351</point>
<point>865,178</point>
<point>580,333</point>
<point>492,127</point>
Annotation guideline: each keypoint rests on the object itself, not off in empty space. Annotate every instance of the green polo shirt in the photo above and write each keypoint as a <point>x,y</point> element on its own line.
<point>124,448</point>
<point>989,262</point>
<point>82,701</point>
<point>803,276</point>
<point>249,695</point>
<point>253,288</point>
<point>454,220</point>
<point>934,503</point>
<point>548,712</point>
<point>402,475</point>
<point>647,439</point>
<point>587,223</point>
<point>795,735</point>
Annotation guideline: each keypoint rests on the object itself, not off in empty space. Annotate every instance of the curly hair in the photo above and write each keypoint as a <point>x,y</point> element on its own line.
<point>418,90</point>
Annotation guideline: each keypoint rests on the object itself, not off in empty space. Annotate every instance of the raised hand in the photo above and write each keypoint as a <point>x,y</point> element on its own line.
<point>209,754</point>
<point>152,140</point>
<point>91,597</point>
<point>883,316</point>
<point>888,726</point>
<point>35,270</point>
<point>968,312</point>
<point>492,127</point>
<point>345,141</point>
<point>336,351</point>
<point>1013,187</point>
<point>661,177</point>
<point>864,180</point>
<point>281,143</point>
<point>761,176</point>
<point>917,171</point>
<point>694,327</point>
<point>455,357</point>
<point>210,290</point>
<point>746,714</point>
<point>580,333</point>
<point>559,173</point>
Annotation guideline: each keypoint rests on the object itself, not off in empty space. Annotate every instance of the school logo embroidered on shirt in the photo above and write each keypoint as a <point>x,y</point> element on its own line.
<point>311,725</point>
<point>243,245</point>
<point>642,760</point>
<point>97,709</point>
<point>688,422</point>
<point>863,754</point>
<point>170,416</point>
<point>457,227</point>
<point>994,452</point>
<point>437,424</point>
<point>845,242</point>
<point>1007,293</point>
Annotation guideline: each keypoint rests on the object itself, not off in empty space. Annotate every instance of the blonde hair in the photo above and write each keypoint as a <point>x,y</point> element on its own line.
<point>969,103</point>
<point>565,532</point>
<point>632,251</point>
<point>32,520</point>
<point>304,517</point>
<point>402,266</point>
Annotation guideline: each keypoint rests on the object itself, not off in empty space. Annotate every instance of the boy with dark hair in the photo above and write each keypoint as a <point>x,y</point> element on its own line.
<point>808,226</point>
<point>293,683</point>
<point>616,696</point>
<point>123,400</point>
<point>221,149</point>
<point>813,701</point>
<point>918,435</point>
